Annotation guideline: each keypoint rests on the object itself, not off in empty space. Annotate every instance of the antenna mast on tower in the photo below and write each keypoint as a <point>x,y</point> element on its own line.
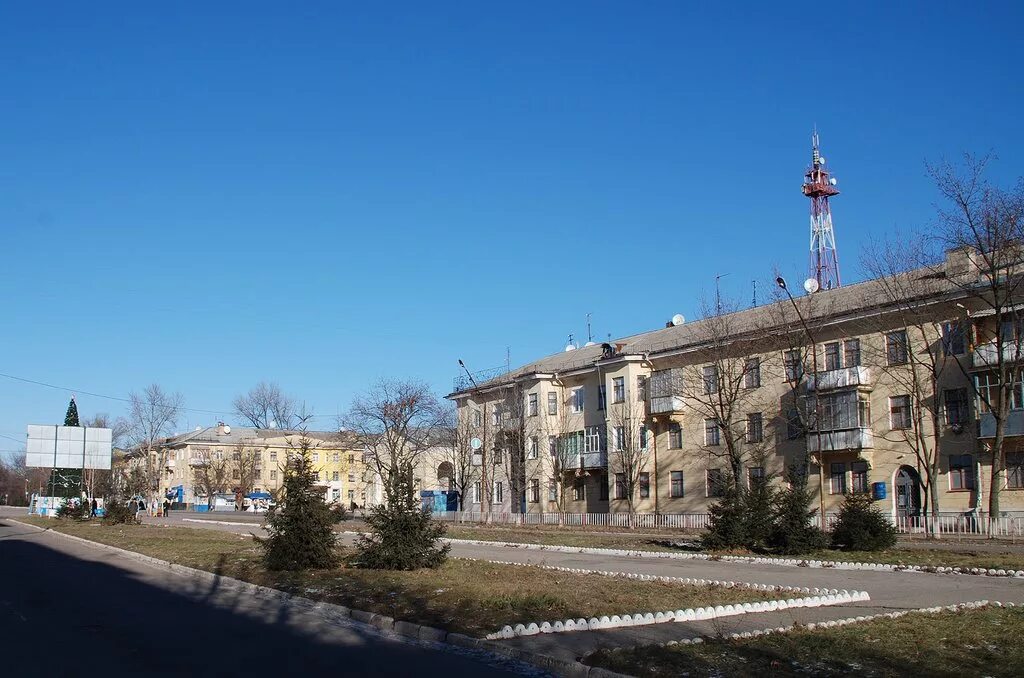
<point>819,186</point>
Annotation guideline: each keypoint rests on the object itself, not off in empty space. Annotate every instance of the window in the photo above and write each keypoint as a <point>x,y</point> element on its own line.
<point>752,373</point>
<point>496,456</point>
<point>577,399</point>
<point>553,446</point>
<point>794,427</point>
<point>552,490</point>
<point>715,482</point>
<point>676,489</point>
<point>592,439</point>
<point>710,379</point>
<point>755,428</point>
<point>645,485</point>
<point>351,477</point>
<point>954,339</point>
<point>832,360</point>
<point>496,491</point>
<point>335,457</point>
<point>712,434</point>
<point>316,457</point>
<point>336,476</point>
<point>851,353</point>
<point>335,495</point>
<point>618,389</point>
<point>534,491</point>
<point>273,475</point>
<point>899,412</point>
<point>495,417</point>
<point>839,411</point>
<point>478,418</point>
<point>961,472</point>
<point>531,404</point>
<point>475,493</point>
<point>602,487</point>
<point>533,449</point>
<point>859,476</point>
<point>896,347</point>
<point>755,474</point>
<point>351,495</point>
<point>794,365</point>
<point>1015,471</point>
<point>641,388</point>
<point>643,436</point>
<point>236,456</point>
<point>273,455</point>
<point>837,478</point>
<point>579,490</point>
<point>955,400</point>
<point>552,403</point>
<point>675,436</point>
<point>258,474</point>
<point>620,438</point>
<point>351,458</point>
<point>316,475</point>
<point>620,485</point>
<point>602,396</point>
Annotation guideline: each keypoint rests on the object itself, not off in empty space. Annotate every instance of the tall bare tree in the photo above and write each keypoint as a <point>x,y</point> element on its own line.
<point>395,422</point>
<point>210,473</point>
<point>513,436</point>
<point>152,415</point>
<point>457,435</point>
<point>629,447</point>
<point>266,406</point>
<point>985,224</point>
<point>245,460</point>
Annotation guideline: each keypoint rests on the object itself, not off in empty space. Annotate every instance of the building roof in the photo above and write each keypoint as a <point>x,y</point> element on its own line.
<point>823,307</point>
<point>245,434</point>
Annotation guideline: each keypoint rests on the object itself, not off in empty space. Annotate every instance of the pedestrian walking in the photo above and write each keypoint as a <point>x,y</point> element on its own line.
<point>95,506</point>
<point>167,508</point>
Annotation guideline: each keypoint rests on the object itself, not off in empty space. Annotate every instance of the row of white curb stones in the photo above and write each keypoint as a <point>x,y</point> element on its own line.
<point>756,560</point>
<point>690,614</point>
<point>679,580</point>
<point>958,607</point>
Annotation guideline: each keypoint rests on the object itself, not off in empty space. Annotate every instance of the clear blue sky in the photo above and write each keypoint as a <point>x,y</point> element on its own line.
<point>204,195</point>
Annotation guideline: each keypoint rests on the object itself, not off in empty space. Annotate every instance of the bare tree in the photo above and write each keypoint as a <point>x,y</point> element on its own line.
<point>245,460</point>
<point>513,437</point>
<point>210,473</point>
<point>629,448</point>
<point>152,415</point>
<point>265,406</point>
<point>984,224</point>
<point>458,453</point>
<point>395,422</point>
<point>563,456</point>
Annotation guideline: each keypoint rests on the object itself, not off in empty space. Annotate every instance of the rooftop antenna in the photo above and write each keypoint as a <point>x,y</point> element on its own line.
<point>571,346</point>
<point>754,282</point>
<point>508,358</point>
<point>468,374</point>
<point>590,336</point>
<point>718,293</point>
<point>819,185</point>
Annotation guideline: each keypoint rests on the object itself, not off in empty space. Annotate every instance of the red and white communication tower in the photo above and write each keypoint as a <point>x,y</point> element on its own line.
<point>819,186</point>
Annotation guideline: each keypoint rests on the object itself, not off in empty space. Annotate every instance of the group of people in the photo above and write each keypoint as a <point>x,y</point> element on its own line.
<point>139,506</point>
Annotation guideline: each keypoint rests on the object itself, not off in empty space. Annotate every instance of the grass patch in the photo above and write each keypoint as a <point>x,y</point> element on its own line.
<point>964,556</point>
<point>976,643</point>
<point>466,596</point>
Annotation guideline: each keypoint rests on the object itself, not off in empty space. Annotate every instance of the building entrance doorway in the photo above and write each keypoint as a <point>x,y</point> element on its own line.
<point>908,492</point>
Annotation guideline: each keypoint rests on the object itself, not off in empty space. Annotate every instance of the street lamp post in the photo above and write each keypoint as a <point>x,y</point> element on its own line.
<point>781,282</point>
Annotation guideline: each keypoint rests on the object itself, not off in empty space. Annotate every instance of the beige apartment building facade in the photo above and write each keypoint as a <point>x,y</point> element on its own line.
<point>255,458</point>
<point>831,384</point>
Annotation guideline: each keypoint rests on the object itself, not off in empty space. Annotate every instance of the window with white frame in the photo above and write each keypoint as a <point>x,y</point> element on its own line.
<point>474,493</point>
<point>676,487</point>
<point>988,392</point>
<point>793,363</point>
<point>755,475</point>
<point>899,412</point>
<point>552,446</point>
<point>592,439</point>
<point>478,418</point>
<point>752,373</point>
<point>896,347</point>
<point>602,396</point>
<point>641,387</point>
<point>1015,471</point>
<point>859,476</point>
<point>715,481</point>
<point>531,404</point>
<point>954,338</point>
<point>712,433</point>
<point>579,490</point>
<point>534,491</point>
<point>956,406</point>
<point>552,490</point>
<point>495,417</point>
<point>533,449</point>
<point>497,491</point>
<point>645,484</point>
<point>675,436</point>
<point>832,356</point>
<point>643,436</point>
<point>577,399</point>
<point>335,457</point>
<point>335,475</point>
<point>552,403</point>
<point>620,438</point>
<point>620,485</point>
<point>710,379</point>
<point>618,389</point>
<point>851,353</point>
<point>496,456</point>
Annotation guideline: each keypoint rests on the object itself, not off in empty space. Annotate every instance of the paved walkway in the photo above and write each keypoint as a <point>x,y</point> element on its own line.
<point>888,590</point>
<point>111,614</point>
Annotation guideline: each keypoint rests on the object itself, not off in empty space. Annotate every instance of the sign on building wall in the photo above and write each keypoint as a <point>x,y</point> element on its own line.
<point>68,447</point>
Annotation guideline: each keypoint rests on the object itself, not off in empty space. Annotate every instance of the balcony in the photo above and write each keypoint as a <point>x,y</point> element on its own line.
<point>666,392</point>
<point>671,404</point>
<point>844,377</point>
<point>587,460</point>
<point>987,355</point>
<point>1014,424</point>
<point>838,441</point>
<point>169,465</point>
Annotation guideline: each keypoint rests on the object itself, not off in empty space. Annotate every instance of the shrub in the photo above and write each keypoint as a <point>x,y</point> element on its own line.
<point>760,513</point>
<point>728,526</point>
<point>339,513</point>
<point>74,509</point>
<point>792,533</point>
<point>403,535</point>
<point>300,534</point>
<point>118,512</point>
<point>861,526</point>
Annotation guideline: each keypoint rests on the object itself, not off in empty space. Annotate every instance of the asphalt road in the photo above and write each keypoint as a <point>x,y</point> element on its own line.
<point>71,609</point>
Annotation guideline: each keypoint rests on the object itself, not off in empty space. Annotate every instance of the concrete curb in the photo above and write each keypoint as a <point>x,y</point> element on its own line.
<point>382,623</point>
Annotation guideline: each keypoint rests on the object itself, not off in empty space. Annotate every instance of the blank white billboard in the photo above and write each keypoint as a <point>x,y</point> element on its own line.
<point>68,447</point>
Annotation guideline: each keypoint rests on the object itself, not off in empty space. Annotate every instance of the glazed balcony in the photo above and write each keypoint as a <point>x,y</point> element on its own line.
<point>987,355</point>
<point>666,392</point>
<point>838,441</point>
<point>587,460</point>
<point>844,377</point>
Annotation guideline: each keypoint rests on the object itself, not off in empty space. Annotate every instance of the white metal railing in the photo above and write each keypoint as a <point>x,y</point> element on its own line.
<point>843,377</point>
<point>850,439</point>
<point>952,524</point>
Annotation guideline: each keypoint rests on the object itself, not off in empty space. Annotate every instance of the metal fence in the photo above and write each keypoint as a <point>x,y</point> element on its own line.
<point>953,524</point>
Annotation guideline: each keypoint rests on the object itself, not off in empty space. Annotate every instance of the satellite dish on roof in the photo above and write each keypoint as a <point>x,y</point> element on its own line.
<point>227,429</point>
<point>811,285</point>
<point>570,347</point>
<point>272,424</point>
<point>476,443</point>
<point>678,319</point>
<point>833,181</point>
<point>199,428</point>
<point>589,343</point>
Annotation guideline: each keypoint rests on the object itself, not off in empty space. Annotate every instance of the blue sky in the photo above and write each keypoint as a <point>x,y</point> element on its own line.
<point>206,195</point>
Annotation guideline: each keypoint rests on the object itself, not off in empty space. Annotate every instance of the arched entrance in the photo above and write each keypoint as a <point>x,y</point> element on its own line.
<point>907,494</point>
<point>445,476</point>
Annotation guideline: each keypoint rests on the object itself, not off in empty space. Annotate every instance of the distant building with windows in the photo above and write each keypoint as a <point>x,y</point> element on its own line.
<point>832,391</point>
